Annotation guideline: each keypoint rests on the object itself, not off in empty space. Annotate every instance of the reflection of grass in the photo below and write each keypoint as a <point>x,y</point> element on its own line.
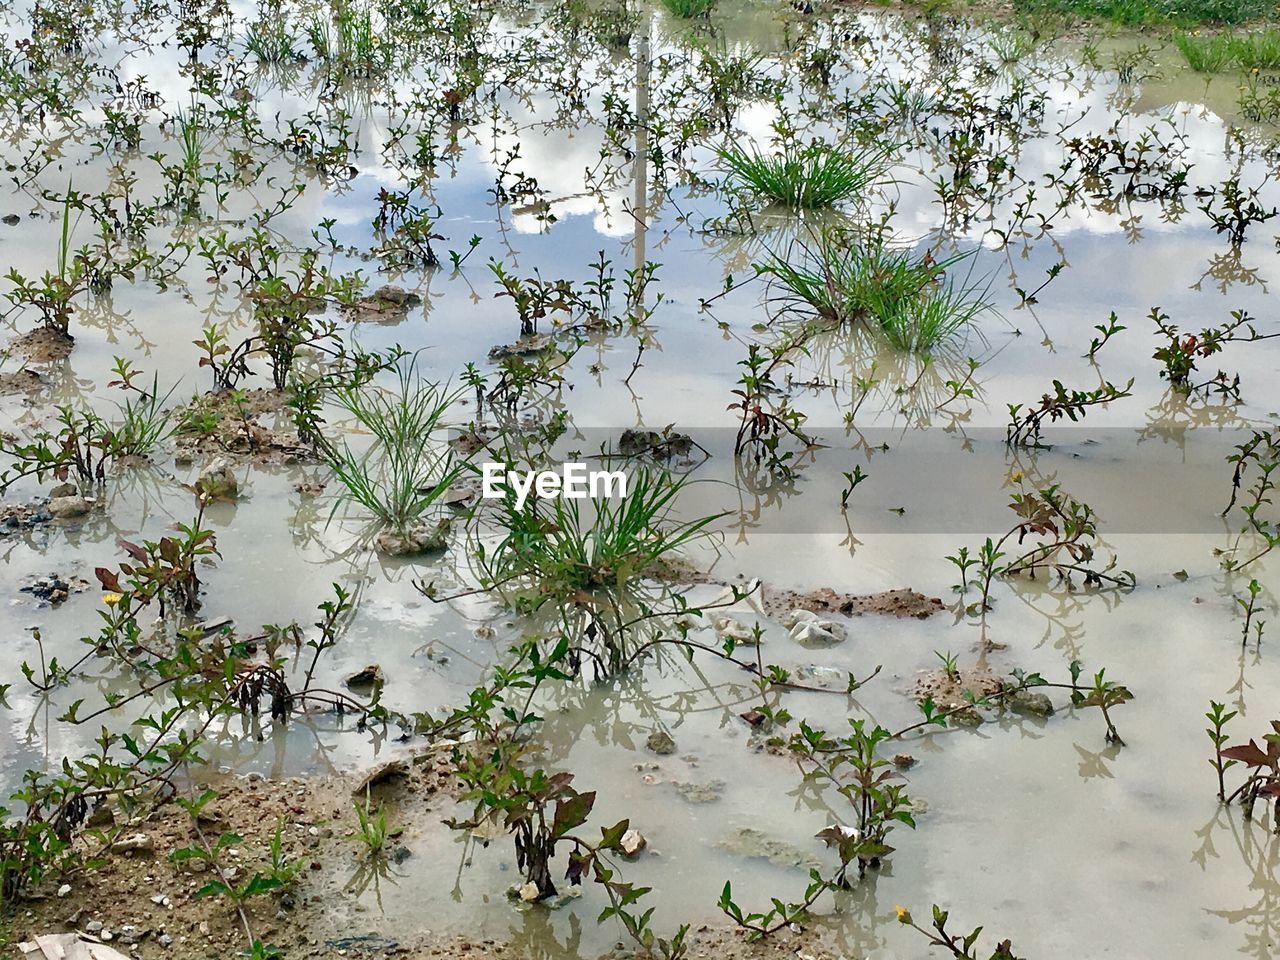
<point>806,177</point>
<point>1253,51</point>
<point>1156,11</point>
<point>688,9</point>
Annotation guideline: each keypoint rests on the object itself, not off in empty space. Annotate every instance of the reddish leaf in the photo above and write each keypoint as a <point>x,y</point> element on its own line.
<point>1250,754</point>
<point>109,579</point>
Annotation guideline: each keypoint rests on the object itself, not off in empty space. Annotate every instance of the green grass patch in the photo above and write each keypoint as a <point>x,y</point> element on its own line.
<point>806,178</point>
<point>910,299</point>
<point>688,9</point>
<point>1259,50</point>
<point>1145,12</point>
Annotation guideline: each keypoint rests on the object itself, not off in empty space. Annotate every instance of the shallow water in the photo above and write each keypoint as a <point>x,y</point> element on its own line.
<point>1038,829</point>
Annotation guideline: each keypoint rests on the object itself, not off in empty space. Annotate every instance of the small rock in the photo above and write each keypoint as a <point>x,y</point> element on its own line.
<point>165,940</point>
<point>527,345</point>
<point>137,843</point>
<point>728,628</point>
<point>661,743</point>
<point>64,490</point>
<point>93,927</point>
<point>11,220</point>
<point>64,890</point>
<point>366,679</point>
<point>131,934</point>
<point>818,633</point>
<point>904,761</point>
<point>217,481</point>
<point>632,843</point>
<point>66,508</point>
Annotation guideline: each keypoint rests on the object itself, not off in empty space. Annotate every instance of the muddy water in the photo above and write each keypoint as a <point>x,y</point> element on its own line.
<point>1036,828</point>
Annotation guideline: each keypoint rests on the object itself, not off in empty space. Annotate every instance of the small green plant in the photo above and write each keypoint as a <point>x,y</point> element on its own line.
<point>407,468</point>
<point>1067,536</point>
<point>1180,352</point>
<point>961,947</point>
<point>1026,421</point>
<point>852,479</point>
<point>1219,716</point>
<point>807,177</point>
<point>1248,605</point>
<point>371,826</point>
<point>1203,54</point>
<point>1105,332</point>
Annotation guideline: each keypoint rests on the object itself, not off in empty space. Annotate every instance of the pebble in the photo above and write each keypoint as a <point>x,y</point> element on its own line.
<point>64,889</point>
<point>93,926</point>
<point>65,508</point>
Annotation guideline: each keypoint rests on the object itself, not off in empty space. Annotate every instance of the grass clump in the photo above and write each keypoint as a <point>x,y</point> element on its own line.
<point>1146,12</point>
<point>406,469</point>
<point>806,178</point>
<point>689,9</point>
<point>1259,50</point>
<point>910,299</point>
<point>562,549</point>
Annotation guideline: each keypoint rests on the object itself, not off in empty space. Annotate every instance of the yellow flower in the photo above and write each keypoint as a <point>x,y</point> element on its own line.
<point>904,915</point>
<point>111,599</point>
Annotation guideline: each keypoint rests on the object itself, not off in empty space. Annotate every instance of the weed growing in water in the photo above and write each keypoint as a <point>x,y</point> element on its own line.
<point>1070,533</point>
<point>1026,422</point>
<point>1259,457</point>
<point>1258,50</point>
<point>910,299</point>
<point>560,549</point>
<point>807,177</point>
<point>689,9</point>
<point>406,470</point>
<point>1179,352</point>
<point>371,826</point>
<point>962,947</point>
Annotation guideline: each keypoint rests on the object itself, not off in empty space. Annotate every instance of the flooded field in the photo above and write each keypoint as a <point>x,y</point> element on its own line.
<point>936,351</point>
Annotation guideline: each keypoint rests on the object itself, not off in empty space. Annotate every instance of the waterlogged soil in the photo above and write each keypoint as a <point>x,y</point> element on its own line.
<point>140,901</point>
<point>1081,165</point>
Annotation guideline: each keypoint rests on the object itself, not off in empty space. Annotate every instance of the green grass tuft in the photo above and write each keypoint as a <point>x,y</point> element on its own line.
<point>689,9</point>
<point>806,178</point>
<point>1146,12</point>
<point>1259,50</point>
<point>909,299</point>
<point>405,470</point>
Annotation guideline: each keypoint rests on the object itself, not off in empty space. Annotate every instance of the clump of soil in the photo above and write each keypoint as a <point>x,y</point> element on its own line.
<point>217,423</point>
<point>42,345</point>
<point>142,902</point>
<point>890,603</point>
<point>948,690</point>
<point>20,381</point>
<point>387,304</point>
